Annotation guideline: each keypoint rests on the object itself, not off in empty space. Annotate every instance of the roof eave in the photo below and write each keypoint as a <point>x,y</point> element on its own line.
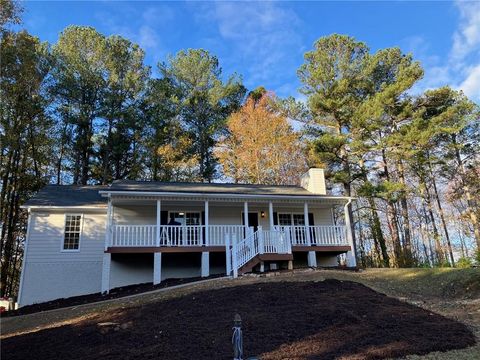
<point>107,193</point>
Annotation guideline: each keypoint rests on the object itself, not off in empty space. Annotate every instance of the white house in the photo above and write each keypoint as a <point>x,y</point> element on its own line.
<point>87,239</point>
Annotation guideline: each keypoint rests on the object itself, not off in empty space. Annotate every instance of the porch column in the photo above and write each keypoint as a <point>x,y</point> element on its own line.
<point>307,223</point>
<point>107,259</point>
<point>312,257</point>
<point>228,254</point>
<point>351,258</point>
<point>207,232</point>
<point>108,229</point>
<point>270,215</point>
<point>159,208</point>
<point>205,264</point>
<point>245,216</point>
<point>157,268</point>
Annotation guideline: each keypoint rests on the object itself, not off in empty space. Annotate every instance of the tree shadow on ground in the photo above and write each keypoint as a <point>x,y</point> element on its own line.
<point>306,320</point>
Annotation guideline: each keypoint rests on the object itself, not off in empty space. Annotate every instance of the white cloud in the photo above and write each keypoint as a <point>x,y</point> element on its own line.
<point>471,85</point>
<point>265,33</point>
<point>467,37</point>
<point>461,69</point>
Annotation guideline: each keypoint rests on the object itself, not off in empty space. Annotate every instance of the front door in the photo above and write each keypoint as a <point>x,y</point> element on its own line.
<point>252,220</point>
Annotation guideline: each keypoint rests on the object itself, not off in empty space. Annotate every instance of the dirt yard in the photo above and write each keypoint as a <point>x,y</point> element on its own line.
<point>314,315</point>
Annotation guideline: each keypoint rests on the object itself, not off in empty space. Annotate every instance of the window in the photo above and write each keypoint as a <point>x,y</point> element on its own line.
<point>291,219</point>
<point>184,218</point>
<point>71,239</point>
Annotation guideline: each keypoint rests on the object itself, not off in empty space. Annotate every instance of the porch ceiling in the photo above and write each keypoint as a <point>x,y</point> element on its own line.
<point>229,201</point>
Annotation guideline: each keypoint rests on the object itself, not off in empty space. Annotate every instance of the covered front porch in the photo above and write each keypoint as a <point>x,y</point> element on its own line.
<point>151,224</point>
<point>274,226</point>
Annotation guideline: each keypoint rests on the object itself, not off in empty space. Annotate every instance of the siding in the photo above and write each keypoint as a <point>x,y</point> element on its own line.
<point>219,215</point>
<point>51,273</point>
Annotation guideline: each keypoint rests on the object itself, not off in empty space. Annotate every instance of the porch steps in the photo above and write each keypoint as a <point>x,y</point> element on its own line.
<point>257,259</point>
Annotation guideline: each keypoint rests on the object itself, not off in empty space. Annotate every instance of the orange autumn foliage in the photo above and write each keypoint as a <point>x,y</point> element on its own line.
<point>261,147</point>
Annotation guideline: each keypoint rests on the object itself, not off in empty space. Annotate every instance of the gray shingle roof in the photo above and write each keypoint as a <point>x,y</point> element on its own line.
<point>74,195</point>
<point>209,188</point>
<point>68,195</point>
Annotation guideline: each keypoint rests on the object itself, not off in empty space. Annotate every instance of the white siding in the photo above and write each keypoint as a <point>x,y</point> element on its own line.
<point>219,215</point>
<point>51,273</point>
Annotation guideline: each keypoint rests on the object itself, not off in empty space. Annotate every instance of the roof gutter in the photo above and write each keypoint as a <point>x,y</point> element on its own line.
<point>108,193</point>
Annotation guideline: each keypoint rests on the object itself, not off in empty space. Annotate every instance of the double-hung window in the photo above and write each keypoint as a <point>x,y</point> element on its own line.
<point>71,237</point>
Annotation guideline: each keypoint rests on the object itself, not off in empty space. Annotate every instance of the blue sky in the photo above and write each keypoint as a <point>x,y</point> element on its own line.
<point>265,41</point>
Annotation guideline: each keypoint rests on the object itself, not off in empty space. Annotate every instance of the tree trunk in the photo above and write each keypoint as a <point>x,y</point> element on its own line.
<point>442,215</point>
<point>468,195</point>
<point>407,250</point>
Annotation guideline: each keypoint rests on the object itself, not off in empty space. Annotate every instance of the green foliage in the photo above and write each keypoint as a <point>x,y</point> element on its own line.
<point>204,101</point>
<point>464,263</point>
<point>25,141</point>
<point>10,11</point>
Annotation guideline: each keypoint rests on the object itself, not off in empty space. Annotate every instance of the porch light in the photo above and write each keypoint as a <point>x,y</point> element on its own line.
<point>262,214</point>
<point>181,214</point>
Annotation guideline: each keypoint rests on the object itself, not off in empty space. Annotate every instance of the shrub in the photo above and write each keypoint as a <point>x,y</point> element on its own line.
<point>464,263</point>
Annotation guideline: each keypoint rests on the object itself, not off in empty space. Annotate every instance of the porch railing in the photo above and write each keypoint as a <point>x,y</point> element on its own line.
<point>320,235</point>
<point>274,241</point>
<point>133,235</point>
<point>195,235</point>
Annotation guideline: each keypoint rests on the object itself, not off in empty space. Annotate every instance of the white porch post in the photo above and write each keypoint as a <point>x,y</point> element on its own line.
<point>159,208</point>
<point>312,257</point>
<point>108,228</point>
<point>351,259</point>
<point>107,259</point>
<point>307,223</point>
<point>245,217</point>
<point>207,231</point>
<point>205,264</point>
<point>157,268</point>
<point>270,215</point>
<point>228,254</point>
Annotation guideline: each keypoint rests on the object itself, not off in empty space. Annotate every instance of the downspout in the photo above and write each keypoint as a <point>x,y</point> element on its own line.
<point>351,256</point>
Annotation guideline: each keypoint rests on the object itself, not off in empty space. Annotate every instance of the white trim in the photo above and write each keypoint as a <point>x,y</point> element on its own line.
<point>159,222</point>
<point>206,217</point>
<point>292,223</point>
<point>185,216</point>
<point>24,262</point>
<point>229,195</point>
<point>80,235</point>
<point>271,221</point>
<point>101,208</point>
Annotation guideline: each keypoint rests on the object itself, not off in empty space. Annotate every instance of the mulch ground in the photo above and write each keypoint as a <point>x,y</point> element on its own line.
<point>328,319</point>
<point>91,298</point>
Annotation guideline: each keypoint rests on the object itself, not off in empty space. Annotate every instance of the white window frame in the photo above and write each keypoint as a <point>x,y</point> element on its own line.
<point>62,242</point>
<point>185,216</point>
<point>291,217</point>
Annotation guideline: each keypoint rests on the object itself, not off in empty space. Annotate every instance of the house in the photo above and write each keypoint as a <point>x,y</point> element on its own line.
<point>87,239</point>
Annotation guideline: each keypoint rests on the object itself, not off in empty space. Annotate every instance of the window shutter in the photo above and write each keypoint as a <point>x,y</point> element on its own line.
<point>275,218</point>
<point>310,219</point>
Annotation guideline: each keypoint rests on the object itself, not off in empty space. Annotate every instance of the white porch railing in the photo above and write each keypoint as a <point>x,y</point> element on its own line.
<point>276,240</point>
<point>244,251</point>
<point>174,235</point>
<point>320,235</point>
<point>217,234</point>
<point>133,235</point>
<point>260,242</point>
<point>177,235</point>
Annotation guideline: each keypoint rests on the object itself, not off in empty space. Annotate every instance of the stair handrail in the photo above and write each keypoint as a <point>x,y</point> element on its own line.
<point>244,251</point>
